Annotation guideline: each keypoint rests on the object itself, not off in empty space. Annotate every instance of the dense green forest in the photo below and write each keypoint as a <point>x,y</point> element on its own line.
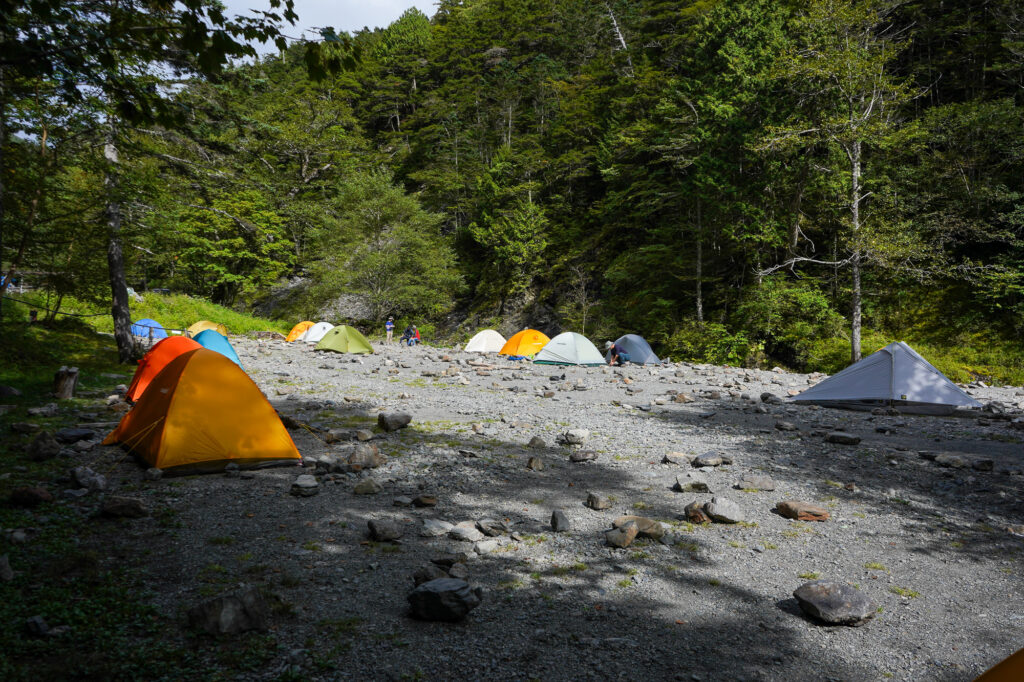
<point>741,181</point>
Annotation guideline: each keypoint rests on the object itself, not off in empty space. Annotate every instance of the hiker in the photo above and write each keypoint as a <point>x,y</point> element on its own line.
<point>389,326</point>
<point>616,355</point>
<point>415,340</point>
<point>410,336</point>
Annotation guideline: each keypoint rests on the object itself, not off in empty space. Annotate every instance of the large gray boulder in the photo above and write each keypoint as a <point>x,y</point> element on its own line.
<point>444,599</point>
<point>392,421</point>
<point>834,603</point>
<point>723,510</point>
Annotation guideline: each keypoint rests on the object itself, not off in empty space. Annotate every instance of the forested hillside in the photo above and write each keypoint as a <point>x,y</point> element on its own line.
<point>741,181</point>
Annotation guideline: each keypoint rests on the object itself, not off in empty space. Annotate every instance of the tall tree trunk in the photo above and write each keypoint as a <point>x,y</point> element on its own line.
<point>115,254</point>
<point>700,266</point>
<point>855,197</point>
<point>3,146</point>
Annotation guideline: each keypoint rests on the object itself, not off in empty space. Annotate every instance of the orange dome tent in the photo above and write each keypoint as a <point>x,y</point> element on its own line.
<point>201,412</point>
<point>1010,669</point>
<point>155,360</point>
<point>526,342</point>
<point>203,325</point>
<point>298,330</point>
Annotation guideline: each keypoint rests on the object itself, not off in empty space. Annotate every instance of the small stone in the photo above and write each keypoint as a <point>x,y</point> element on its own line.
<point>433,528</point>
<point>364,435</point>
<point>756,482</point>
<point>85,477</point>
<point>43,447</point>
<point>305,485</point>
<point>425,501</point>
<point>785,426</point>
<point>30,496</point>
<point>723,510</point>
<point>367,486</point>
<point>465,534</point>
<point>153,474</point>
<point>648,528</point>
<point>365,456</point>
<point>72,435</point>
<point>677,458</point>
<point>983,464</point>
<point>392,421</point>
<point>842,438</point>
<point>583,456</point>
<point>574,437</point>
<point>385,531</point>
<point>802,511</point>
<point>491,528</point>
<point>535,464</point>
<point>560,522</point>
<point>952,460</point>
<point>231,470</point>
<point>428,572</point>
<point>695,513</point>
<point>598,502</point>
<point>708,459</point>
<point>459,570</point>
<point>691,483</point>
<point>6,573</point>
<point>682,398</point>
<point>537,442</point>
<point>402,501</point>
<point>239,612</point>
<point>486,546</point>
<point>48,410</point>
<point>124,508</point>
<point>834,603</point>
<point>622,536</point>
<point>444,599</point>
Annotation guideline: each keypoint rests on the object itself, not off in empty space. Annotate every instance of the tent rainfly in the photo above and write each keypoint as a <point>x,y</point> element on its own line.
<point>895,376</point>
<point>525,342</point>
<point>203,325</point>
<point>155,360</point>
<point>219,343</point>
<point>298,330</point>
<point>316,332</point>
<point>149,329</point>
<point>637,348</point>
<point>569,348</point>
<point>344,339</point>
<point>487,341</point>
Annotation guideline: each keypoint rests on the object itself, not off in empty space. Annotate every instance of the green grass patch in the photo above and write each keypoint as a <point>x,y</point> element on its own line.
<point>904,592</point>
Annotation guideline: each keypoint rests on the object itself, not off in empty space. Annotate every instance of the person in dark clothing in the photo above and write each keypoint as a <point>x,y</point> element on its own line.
<point>408,335</point>
<point>616,354</point>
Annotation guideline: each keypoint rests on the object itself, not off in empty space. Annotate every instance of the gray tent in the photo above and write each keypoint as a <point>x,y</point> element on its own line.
<point>637,348</point>
<point>896,376</point>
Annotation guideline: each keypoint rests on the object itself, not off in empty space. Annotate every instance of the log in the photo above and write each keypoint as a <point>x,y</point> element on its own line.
<point>64,382</point>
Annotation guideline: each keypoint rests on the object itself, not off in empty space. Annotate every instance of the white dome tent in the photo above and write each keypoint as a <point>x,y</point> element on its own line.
<point>315,333</point>
<point>895,376</point>
<point>569,348</point>
<point>487,341</point>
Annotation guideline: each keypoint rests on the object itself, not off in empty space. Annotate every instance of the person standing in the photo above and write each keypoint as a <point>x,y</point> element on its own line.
<point>389,327</point>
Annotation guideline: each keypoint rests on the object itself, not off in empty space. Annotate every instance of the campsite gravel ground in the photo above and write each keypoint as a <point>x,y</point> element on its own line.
<point>711,603</point>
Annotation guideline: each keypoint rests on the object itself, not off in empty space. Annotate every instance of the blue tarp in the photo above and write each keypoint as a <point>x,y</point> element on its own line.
<point>215,341</point>
<point>143,327</point>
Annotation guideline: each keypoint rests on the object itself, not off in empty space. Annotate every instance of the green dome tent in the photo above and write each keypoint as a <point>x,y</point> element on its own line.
<point>569,348</point>
<point>344,339</point>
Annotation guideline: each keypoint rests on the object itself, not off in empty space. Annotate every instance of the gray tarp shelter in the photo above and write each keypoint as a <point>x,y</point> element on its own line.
<point>636,346</point>
<point>895,376</point>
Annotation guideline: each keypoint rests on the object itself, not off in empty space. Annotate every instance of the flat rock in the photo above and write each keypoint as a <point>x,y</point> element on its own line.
<point>385,531</point>
<point>367,486</point>
<point>364,435</point>
<point>952,460</point>
<point>433,528</point>
<point>583,456</point>
<point>491,527</point>
<point>722,510</point>
<point>645,527</point>
<point>465,534</point>
<point>366,456</point>
<point>424,501</point>
<point>574,437</point>
<point>842,438</point>
<point>834,603</point>
<point>486,546</point>
<point>598,502</point>
<point>239,612</point>
<point>785,426</point>
<point>711,459</point>
<point>443,599</point>
<point>73,435</point>
<point>677,458</point>
<point>682,398</point>
<point>756,482</point>
<point>802,511</point>
<point>117,507</point>
<point>428,572</point>
<point>691,483</point>
<point>392,421</point>
<point>305,485</point>
<point>622,536</point>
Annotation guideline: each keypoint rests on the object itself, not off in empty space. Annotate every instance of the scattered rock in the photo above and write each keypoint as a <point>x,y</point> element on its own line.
<point>691,483</point>
<point>710,459</point>
<point>465,534</point>
<point>365,456</point>
<point>43,447</point>
<point>444,599</point>
<point>153,474</point>
<point>239,612</point>
<point>756,482</point>
<point>802,511</point>
<point>119,507</point>
<point>433,528</point>
<point>84,477</point>
<point>574,437</point>
<point>428,572</point>
<point>536,442</point>
<point>682,398</point>
<point>73,435</point>
<point>583,456</point>
<point>622,536</point>
<point>491,528</point>
<point>535,464</point>
<point>694,513</point>
<point>305,485</point>
<point>486,546</point>
<point>364,435</point>
<point>25,427</point>
<point>385,531</point>
<point>48,410</point>
<point>723,510</point>
<point>648,528</point>
<point>834,603</point>
<point>952,460</point>
<point>785,426</point>
<point>402,501</point>
<point>598,502</point>
<point>842,438</point>
<point>677,458</point>
<point>424,501</point>
<point>367,486</point>
<point>30,496</point>
<point>392,421</point>
<point>560,522</point>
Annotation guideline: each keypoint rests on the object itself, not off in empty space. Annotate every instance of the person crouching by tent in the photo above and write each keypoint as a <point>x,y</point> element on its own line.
<point>616,355</point>
<point>411,335</point>
<point>389,327</point>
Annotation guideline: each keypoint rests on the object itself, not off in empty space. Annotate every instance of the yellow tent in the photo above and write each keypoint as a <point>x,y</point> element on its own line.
<point>201,412</point>
<point>298,330</point>
<point>203,325</point>
<point>526,342</point>
<point>1010,669</point>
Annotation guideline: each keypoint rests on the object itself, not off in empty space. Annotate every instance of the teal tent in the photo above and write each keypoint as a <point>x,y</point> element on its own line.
<point>215,341</point>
